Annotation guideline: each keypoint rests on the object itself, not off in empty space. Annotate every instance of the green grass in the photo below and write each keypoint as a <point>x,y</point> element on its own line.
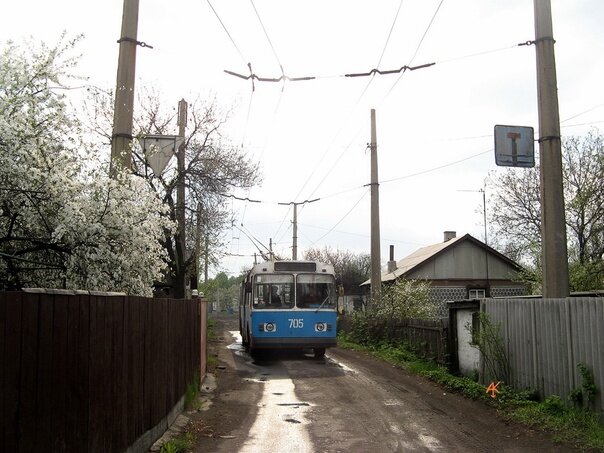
<point>211,328</point>
<point>212,361</point>
<point>568,424</point>
<point>192,394</point>
<point>179,444</point>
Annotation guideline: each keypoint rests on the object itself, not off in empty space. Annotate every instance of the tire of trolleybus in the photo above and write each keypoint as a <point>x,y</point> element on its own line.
<point>318,352</point>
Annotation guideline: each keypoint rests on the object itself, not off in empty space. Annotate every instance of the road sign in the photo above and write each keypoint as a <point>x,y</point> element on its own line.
<point>514,146</point>
<point>159,149</point>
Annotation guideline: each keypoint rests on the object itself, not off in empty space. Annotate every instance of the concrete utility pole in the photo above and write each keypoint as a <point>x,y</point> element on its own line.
<point>553,225</point>
<point>124,90</point>
<point>179,286</point>
<point>295,234</point>
<point>198,246</point>
<point>295,225</point>
<point>376,273</point>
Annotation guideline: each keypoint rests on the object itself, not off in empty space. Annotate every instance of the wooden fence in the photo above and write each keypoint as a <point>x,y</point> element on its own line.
<point>94,373</point>
<point>427,338</point>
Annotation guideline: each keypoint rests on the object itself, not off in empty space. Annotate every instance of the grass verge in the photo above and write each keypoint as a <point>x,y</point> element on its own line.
<point>211,328</point>
<point>179,444</point>
<point>567,424</point>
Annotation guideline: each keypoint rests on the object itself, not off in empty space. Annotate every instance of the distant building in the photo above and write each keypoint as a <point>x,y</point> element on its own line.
<point>458,268</point>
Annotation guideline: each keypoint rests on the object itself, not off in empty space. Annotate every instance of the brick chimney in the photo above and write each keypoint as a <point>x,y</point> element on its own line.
<point>450,235</point>
<point>391,263</point>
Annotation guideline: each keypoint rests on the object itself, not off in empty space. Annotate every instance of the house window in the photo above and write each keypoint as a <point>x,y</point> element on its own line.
<point>477,293</point>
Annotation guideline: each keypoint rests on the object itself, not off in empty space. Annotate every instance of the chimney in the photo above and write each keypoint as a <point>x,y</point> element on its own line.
<point>450,235</point>
<point>391,263</point>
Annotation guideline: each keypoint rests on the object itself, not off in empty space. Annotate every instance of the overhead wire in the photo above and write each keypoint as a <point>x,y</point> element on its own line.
<point>421,41</point>
<point>582,113</point>
<point>363,92</point>
<point>267,36</point>
<point>402,71</point>
<point>249,65</point>
<point>343,217</point>
<point>245,62</point>
<point>440,167</point>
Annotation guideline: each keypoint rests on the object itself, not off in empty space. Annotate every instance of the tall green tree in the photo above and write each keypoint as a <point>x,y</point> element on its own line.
<point>515,213</point>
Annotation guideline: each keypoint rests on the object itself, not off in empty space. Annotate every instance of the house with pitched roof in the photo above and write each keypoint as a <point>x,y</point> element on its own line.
<point>458,268</point>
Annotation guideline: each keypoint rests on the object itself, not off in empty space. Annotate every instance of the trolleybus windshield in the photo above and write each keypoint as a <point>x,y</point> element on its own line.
<point>273,291</point>
<point>315,291</point>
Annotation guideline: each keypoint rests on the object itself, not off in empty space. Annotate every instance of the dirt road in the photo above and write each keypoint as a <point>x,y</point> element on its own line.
<point>349,402</point>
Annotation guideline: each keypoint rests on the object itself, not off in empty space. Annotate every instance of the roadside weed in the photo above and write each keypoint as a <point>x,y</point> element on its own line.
<point>179,444</point>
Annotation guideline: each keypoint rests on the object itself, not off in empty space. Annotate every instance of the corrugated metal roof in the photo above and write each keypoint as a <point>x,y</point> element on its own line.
<point>422,255</point>
<point>415,259</point>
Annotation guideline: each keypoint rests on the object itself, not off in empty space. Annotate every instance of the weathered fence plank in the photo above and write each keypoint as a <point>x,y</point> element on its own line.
<point>427,338</point>
<point>83,372</point>
<point>27,385</point>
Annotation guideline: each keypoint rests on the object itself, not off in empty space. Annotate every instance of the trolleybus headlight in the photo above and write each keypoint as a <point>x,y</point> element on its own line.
<point>270,327</point>
<point>320,327</point>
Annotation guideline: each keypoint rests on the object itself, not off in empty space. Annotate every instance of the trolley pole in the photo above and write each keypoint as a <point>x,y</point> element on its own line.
<point>376,274</point>
<point>553,225</point>
<point>124,90</point>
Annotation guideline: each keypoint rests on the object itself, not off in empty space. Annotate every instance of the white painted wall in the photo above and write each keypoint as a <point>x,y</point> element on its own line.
<point>467,354</point>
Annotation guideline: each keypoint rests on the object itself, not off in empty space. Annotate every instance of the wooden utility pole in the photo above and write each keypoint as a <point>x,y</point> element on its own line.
<point>124,90</point>
<point>553,224</point>
<point>179,285</point>
<point>376,273</point>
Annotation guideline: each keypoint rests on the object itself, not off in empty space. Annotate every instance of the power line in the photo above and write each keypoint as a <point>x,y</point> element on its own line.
<point>372,73</point>
<point>245,62</point>
<point>429,170</point>
<point>390,32</point>
<point>416,49</point>
<point>342,219</point>
<point>266,34</point>
<point>582,113</point>
<point>436,168</point>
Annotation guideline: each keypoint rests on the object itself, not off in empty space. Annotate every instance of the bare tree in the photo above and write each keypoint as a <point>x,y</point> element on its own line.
<point>515,212</point>
<point>351,268</point>
<point>213,169</point>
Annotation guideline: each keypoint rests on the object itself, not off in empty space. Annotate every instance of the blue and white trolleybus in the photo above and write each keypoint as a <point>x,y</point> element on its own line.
<point>288,304</point>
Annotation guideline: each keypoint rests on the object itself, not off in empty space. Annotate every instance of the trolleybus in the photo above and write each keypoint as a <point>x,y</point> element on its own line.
<point>288,304</point>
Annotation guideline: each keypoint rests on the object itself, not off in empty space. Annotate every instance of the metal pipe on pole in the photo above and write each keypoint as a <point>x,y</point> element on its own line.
<point>376,273</point>
<point>553,224</point>
<point>121,154</point>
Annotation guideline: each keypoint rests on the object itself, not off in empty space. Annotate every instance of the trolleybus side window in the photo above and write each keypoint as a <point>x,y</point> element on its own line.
<point>315,291</point>
<point>273,291</point>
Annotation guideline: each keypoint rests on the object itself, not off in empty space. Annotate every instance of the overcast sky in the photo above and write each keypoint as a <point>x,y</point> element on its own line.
<point>434,125</point>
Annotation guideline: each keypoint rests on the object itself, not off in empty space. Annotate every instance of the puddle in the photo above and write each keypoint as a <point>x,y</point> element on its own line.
<point>236,345</point>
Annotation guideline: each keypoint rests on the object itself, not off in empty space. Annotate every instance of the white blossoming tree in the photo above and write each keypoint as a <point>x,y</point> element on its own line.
<point>63,222</point>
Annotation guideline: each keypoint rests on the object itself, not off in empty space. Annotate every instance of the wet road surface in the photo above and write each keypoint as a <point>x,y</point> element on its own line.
<point>348,402</point>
